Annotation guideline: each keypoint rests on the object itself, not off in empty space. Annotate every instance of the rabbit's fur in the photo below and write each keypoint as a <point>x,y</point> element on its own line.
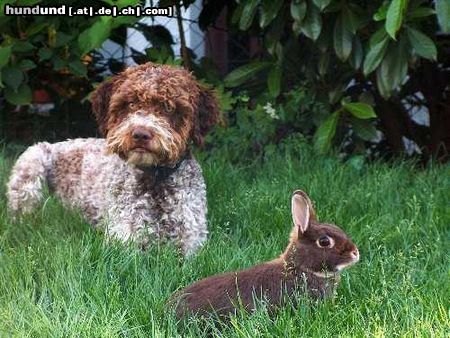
<point>304,265</point>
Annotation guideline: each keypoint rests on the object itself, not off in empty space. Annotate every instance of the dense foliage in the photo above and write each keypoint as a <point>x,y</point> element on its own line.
<point>362,75</point>
<point>393,55</point>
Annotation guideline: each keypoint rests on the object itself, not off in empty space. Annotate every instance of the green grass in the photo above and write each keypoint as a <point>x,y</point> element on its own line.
<point>59,278</point>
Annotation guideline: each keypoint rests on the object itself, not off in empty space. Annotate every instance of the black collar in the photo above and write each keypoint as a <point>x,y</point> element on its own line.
<point>156,175</point>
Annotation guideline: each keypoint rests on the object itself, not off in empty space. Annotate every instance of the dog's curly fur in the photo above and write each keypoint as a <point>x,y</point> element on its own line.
<point>140,182</point>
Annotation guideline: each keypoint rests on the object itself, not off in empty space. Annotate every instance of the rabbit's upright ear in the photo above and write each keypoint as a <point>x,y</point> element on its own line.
<point>302,210</point>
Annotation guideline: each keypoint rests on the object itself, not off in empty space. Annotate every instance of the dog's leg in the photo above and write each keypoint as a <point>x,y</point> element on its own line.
<point>24,189</point>
<point>193,209</point>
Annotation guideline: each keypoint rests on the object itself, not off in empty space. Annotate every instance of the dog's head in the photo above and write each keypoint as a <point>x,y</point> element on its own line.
<point>149,114</point>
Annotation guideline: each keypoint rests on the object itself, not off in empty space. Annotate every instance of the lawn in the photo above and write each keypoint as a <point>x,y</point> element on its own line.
<point>60,278</point>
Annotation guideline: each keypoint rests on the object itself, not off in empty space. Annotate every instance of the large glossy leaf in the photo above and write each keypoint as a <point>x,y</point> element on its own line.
<point>364,129</point>
<point>422,44</point>
<point>380,14</point>
<point>325,133</point>
<point>351,18</point>
<point>443,14</point>
<point>158,35</point>
<point>394,16</point>
<point>312,25</point>
<point>360,110</point>
<point>78,68</point>
<point>342,39</point>
<point>5,53</point>
<point>248,13</point>
<point>324,61</point>
<point>274,81</point>
<point>321,3</point>
<point>237,13</point>
<point>420,12</point>
<point>27,2</point>
<point>394,68</point>
<point>357,53</point>
<point>269,11</point>
<point>298,10</point>
<point>22,47</point>
<point>244,73</point>
<point>94,36</point>
<point>27,64</point>
<point>375,53</point>
<point>20,97</point>
<point>12,77</point>
<point>35,28</point>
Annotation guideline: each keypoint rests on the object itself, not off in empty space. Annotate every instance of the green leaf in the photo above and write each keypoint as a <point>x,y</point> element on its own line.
<point>360,110</point>
<point>5,53</point>
<point>20,97</point>
<point>324,61</point>
<point>422,44</point>
<point>321,3</point>
<point>364,129</point>
<point>27,2</point>
<point>248,14</point>
<point>394,16</point>
<point>357,54</point>
<point>22,47</point>
<point>62,39</point>
<point>443,14</point>
<point>44,53</point>
<point>237,13</point>
<point>273,34</point>
<point>298,10</point>
<point>12,77</point>
<point>336,93</point>
<point>58,63</point>
<point>383,86</point>
<point>420,12</point>
<point>244,73</point>
<point>274,81</point>
<point>342,39</point>
<point>36,28</point>
<point>269,11</point>
<point>312,25</point>
<point>123,20</point>
<point>325,133</point>
<point>352,19</point>
<point>94,36</point>
<point>375,55</point>
<point>78,68</point>
<point>380,14</point>
<point>27,64</point>
<point>394,68</point>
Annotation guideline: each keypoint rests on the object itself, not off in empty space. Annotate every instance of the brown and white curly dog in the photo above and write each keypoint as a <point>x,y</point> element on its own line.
<point>141,182</point>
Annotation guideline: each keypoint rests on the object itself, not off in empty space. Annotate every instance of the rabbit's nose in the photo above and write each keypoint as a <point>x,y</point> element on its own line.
<point>355,254</point>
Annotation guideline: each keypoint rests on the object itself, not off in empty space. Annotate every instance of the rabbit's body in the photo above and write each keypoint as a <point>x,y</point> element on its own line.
<point>275,282</point>
<point>311,263</point>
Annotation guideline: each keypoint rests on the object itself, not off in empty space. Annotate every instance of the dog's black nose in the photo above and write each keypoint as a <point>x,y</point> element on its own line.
<point>141,134</point>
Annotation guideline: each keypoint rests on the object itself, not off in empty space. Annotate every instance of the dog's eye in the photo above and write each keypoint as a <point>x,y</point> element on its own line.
<point>131,105</point>
<point>325,241</point>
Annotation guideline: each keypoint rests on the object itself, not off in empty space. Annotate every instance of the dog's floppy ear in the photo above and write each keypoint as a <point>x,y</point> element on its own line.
<point>100,104</point>
<point>208,114</point>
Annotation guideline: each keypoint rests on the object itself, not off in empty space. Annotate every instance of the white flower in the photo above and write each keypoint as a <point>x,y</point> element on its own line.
<point>271,111</point>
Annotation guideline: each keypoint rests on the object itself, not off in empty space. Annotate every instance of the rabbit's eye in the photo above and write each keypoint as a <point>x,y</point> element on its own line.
<point>325,242</point>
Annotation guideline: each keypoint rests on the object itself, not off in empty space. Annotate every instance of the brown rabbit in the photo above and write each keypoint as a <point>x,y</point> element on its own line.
<point>315,255</point>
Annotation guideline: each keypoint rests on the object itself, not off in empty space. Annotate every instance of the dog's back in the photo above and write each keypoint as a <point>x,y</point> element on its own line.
<point>59,166</point>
